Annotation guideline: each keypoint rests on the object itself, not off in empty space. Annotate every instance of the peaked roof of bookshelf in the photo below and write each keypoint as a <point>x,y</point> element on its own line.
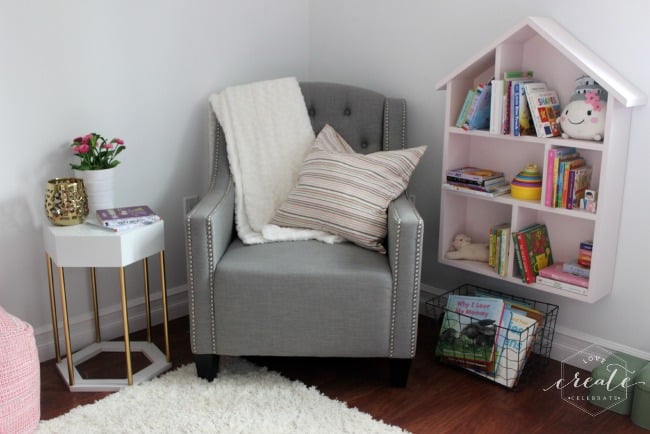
<point>574,50</point>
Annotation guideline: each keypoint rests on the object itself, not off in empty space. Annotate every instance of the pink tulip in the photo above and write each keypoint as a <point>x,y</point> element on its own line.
<point>107,146</point>
<point>85,139</point>
<point>83,148</point>
<point>118,141</point>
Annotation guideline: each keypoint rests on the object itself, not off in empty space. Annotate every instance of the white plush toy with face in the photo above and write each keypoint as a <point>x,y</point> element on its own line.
<point>584,116</point>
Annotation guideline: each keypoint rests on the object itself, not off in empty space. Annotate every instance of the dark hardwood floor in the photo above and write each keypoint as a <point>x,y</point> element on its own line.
<point>438,398</point>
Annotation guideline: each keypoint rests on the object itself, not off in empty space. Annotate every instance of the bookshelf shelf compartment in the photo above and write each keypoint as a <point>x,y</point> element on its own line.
<point>556,57</point>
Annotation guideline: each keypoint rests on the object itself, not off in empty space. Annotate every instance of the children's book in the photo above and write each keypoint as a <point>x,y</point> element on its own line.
<point>532,251</point>
<point>563,179</point>
<point>526,126</point>
<point>574,268</point>
<point>113,217</point>
<point>556,272</point>
<point>496,107</point>
<point>469,98</point>
<point>474,174</point>
<point>480,116</point>
<point>477,96</point>
<point>545,111</point>
<point>469,328</point>
<point>551,170</point>
<point>579,180</point>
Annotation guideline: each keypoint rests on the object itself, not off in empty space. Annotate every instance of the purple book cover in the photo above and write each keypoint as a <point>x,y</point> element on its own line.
<point>128,212</point>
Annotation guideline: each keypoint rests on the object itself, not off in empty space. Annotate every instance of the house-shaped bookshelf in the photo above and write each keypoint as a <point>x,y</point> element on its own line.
<point>556,57</point>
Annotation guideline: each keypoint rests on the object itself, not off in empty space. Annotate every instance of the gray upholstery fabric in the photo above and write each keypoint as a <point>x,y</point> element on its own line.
<point>307,298</point>
<point>302,298</point>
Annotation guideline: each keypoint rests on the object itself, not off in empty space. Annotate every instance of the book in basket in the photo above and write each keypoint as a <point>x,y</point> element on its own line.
<point>129,215</point>
<point>517,346</point>
<point>469,329</point>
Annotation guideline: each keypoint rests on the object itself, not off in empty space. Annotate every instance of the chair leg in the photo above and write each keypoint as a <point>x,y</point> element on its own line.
<point>399,372</point>
<point>207,366</point>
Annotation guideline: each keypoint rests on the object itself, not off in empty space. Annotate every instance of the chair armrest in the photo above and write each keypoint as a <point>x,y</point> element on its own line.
<point>405,229</point>
<point>208,232</point>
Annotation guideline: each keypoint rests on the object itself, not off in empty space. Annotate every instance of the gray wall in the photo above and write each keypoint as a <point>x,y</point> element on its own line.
<point>141,71</point>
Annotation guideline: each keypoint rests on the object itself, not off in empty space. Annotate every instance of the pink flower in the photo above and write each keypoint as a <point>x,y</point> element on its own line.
<point>83,148</point>
<point>75,149</point>
<point>85,139</point>
<point>591,97</point>
<point>77,140</point>
<point>598,106</point>
<point>107,146</point>
<point>118,141</point>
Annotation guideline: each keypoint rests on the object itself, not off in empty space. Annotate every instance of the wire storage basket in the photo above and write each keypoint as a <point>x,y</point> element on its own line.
<point>507,351</point>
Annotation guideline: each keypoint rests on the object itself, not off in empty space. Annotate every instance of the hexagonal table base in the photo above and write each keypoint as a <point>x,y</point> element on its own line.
<point>158,365</point>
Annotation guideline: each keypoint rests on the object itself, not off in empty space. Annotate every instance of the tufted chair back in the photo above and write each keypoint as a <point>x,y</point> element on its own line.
<point>367,120</point>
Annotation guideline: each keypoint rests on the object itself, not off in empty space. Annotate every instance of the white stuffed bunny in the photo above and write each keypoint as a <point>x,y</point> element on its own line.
<point>463,248</point>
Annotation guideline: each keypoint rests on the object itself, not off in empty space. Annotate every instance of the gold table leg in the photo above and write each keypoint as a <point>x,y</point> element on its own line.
<point>125,321</point>
<point>163,284</point>
<point>147,302</point>
<point>55,326</point>
<point>93,284</point>
<point>66,326</point>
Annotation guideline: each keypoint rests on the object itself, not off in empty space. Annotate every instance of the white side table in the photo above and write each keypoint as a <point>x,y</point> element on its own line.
<point>90,246</point>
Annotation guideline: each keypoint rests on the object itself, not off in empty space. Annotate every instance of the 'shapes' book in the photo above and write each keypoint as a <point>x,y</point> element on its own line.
<point>113,217</point>
<point>545,111</point>
<point>469,328</point>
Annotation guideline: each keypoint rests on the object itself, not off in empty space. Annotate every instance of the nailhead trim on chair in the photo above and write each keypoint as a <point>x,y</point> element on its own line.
<point>215,138</point>
<point>403,144</point>
<point>393,307</point>
<point>386,144</point>
<point>416,280</point>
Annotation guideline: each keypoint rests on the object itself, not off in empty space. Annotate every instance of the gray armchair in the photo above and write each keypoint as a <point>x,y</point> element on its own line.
<point>306,298</point>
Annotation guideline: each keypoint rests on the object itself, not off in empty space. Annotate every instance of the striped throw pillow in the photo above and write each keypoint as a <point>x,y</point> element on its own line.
<point>346,193</point>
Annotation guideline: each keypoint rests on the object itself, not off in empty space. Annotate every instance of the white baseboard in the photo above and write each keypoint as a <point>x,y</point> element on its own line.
<point>82,327</point>
<point>566,342</point>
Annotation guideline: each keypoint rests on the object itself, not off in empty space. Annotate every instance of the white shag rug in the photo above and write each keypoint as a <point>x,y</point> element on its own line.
<point>243,399</point>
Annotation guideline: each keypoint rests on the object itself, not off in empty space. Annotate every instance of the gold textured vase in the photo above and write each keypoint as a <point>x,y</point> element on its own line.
<point>66,203</point>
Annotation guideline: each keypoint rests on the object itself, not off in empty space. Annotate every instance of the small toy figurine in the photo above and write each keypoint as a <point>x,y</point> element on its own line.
<point>584,116</point>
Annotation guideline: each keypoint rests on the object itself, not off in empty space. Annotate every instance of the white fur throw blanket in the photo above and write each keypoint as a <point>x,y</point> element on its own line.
<point>268,134</point>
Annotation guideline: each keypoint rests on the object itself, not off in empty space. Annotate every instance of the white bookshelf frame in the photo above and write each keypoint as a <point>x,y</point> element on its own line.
<point>555,56</point>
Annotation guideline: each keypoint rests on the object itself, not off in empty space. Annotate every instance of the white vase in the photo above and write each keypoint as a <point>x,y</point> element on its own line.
<point>99,186</point>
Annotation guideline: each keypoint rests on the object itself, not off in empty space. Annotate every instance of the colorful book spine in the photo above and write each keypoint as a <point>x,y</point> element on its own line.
<point>550,160</point>
<point>528,276</point>
<point>561,154</point>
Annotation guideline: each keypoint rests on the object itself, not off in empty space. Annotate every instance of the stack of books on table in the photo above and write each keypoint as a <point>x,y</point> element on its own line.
<point>474,180</point>
<point>126,218</point>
